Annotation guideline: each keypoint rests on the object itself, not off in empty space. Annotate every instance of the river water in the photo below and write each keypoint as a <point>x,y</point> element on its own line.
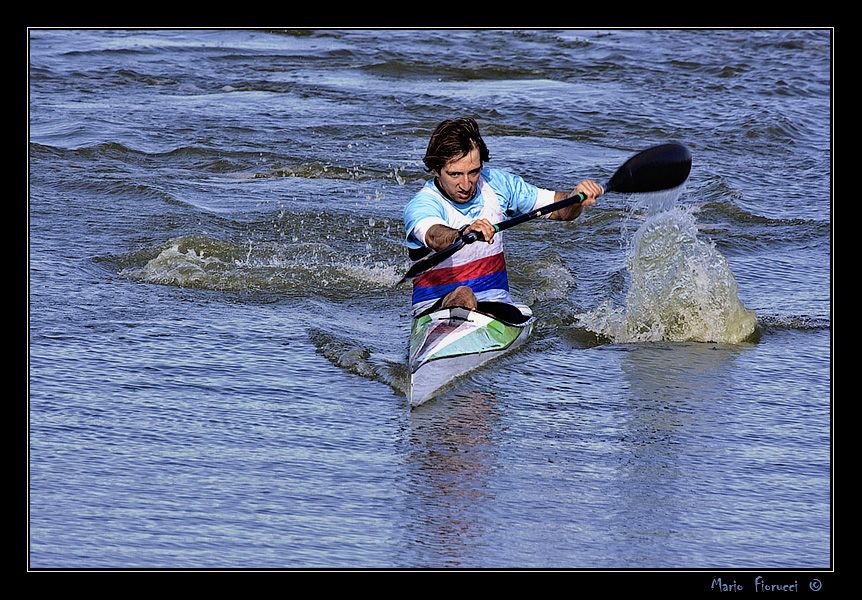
<point>217,351</point>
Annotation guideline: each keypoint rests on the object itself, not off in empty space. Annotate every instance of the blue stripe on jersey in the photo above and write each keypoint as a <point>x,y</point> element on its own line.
<point>494,281</point>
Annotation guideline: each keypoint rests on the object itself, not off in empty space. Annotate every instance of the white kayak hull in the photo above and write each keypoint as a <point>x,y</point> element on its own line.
<point>451,342</point>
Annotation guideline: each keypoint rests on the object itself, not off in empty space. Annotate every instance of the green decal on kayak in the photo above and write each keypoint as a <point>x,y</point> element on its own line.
<point>464,337</point>
<point>451,342</point>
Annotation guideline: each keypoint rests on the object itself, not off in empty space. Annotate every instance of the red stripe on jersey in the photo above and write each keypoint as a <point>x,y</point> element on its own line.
<point>471,270</point>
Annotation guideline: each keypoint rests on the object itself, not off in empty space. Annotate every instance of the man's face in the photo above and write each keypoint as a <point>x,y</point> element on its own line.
<point>459,176</point>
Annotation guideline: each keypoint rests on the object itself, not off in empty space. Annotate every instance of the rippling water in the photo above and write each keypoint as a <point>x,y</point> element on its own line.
<point>217,351</point>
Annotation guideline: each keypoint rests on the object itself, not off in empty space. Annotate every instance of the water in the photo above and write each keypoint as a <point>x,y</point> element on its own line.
<point>217,351</point>
<point>680,288</point>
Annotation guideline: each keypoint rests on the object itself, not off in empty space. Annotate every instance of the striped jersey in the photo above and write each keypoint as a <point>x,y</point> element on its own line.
<point>480,265</point>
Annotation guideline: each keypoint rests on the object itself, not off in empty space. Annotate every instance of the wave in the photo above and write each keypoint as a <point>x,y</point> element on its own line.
<point>242,164</point>
<point>355,357</point>
<point>119,187</point>
<point>556,39</point>
<point>773,129</point>
<point>716,70</point>
<point>121,151</point>
<point>291,268</point>
<point>546,278</point>
<point>400,69</point>
<point>109,51</point>
<point>328,170</point>
<point>292,32</point>
<point>587,334</point>
<point>793,322</point>
<point>764,131</point>
<point>733,213</point>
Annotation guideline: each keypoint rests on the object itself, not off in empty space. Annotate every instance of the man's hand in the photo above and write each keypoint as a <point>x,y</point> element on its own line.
<point>484,228</point>
<point>591,190</point>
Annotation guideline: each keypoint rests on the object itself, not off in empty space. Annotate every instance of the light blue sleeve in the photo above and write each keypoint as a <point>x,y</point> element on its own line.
<point>516,195</point>
<point>420,207</point>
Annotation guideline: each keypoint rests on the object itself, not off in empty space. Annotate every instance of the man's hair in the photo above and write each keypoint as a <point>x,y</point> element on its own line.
<point>454,138</point>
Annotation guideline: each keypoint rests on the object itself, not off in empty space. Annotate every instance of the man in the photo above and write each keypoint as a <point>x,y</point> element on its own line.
<point>466,195</point>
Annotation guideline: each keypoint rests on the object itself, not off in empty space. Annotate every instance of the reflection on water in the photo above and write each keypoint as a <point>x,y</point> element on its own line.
<point>450,459</point>
<point>672,387</point>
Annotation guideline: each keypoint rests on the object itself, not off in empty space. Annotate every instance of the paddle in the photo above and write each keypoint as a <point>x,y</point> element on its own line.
<point>658,168</point>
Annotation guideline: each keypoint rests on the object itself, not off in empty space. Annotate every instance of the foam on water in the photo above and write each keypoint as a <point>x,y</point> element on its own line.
<point>301,268</point>
<point>681,288</point>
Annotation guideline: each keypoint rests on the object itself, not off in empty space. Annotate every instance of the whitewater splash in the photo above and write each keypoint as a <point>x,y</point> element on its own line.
<point>681,287</point>
<point>304,268</point>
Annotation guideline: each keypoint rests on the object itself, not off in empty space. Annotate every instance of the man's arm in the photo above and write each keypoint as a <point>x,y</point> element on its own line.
<point>439,237</point>
<point>589,187</point>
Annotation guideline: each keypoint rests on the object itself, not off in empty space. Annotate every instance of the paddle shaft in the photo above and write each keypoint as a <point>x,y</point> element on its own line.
<point>423,264</point>
<point>576,199</point>
<point>658,168</point>
<point>427,262</point>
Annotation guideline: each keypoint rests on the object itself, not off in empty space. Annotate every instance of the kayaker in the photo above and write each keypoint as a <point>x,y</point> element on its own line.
<point>466,195</point>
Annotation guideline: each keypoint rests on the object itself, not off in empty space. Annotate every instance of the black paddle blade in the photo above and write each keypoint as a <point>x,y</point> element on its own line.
<point>658,168</point>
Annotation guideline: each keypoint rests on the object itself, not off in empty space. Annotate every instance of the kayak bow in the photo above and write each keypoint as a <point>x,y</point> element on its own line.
<point>450,342</point>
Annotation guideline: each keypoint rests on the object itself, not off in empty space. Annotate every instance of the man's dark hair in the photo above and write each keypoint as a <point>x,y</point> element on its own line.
<point>454,138</point>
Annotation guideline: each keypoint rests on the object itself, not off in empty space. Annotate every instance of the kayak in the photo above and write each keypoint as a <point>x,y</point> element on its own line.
<point>450,342</point>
